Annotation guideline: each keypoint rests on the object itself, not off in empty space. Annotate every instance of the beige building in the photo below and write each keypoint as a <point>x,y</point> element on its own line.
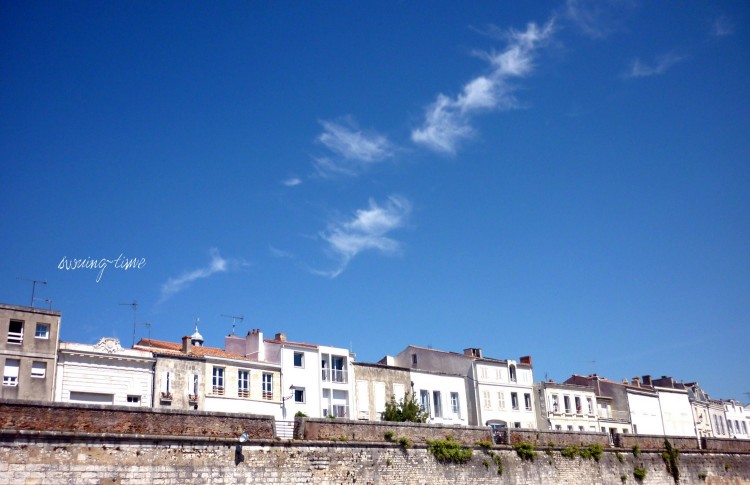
<point>28,352</point>
<point>376,383</point>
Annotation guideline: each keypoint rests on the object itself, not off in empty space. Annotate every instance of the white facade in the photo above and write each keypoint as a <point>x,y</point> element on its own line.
<point>676,412</point>
<point>504,393</point>
<point>737,426</point>
<point>645,413</point>
<point>443,396</point>
<point>566,407</point>
<point>104,373</point>
<point>337,382</point>
<point>301,376</point>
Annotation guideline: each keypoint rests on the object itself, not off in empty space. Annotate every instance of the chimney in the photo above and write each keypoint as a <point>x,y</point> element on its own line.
<point>647,381</point>
<point>187,345</point>
<point>254,346</point>
<point>473,352</point>
<point>526,359</point>
<point>280,336</point>
<point>637,381</point>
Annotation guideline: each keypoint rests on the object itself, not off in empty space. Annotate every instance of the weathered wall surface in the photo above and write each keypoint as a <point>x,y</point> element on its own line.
<point>67,417</point>
<point>725,444</point>
<point>46,459</point>
<point>555,438</point>
<point>374,431</point>
<point>651,442</point>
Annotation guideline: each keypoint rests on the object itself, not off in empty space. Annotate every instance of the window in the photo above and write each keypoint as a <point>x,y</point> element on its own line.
<point>589,405</point>
<point>558,427</point>
<point>486,402</point>
<point>514,400</point>
<point>134,399</point>
<point>501,400</point>
<point>744,428</point>
<point>413,359</point>
<point>566,402</point>
<point>338,371</point>
<point>243,383</point>
<point>579,409</point>
<point>42,331</point>
<point>570,427</point>
<point>166,386</point>
<point>299,359</point>
<point>38,369</point>
<point>729,426</point>
<point>10,372</point>
<point>581,428</point>
<point>299,395</point>
<point>424,400</point>
<point>15,332</point>
<point>516,425</point>
<point>527,401</point>
<point>438,404</point>
<point>483,372</point>
<point>267,386</point>
<point>193,388</point>
<point>555,403</point>
<point>512,372</point>
<point>455,409</point>
<point>218,381</point>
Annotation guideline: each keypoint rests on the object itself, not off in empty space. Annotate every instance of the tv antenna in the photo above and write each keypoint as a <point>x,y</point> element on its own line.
<point>45,300</point>
<point>134,304</point>
<point>234,318</point>
<point>148,326</point>
<point>33,287</point>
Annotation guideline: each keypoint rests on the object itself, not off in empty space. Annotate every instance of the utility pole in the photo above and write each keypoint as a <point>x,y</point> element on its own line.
<point>134,304</point>
<point>33,287</point>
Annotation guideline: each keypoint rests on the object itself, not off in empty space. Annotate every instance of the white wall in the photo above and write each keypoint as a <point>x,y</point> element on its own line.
<point>445,385</point>
<point>677,414</point>
<point>645,414</point>
<point>308,377</point>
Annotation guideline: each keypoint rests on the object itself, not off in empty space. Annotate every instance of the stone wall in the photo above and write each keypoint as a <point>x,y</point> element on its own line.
<point>86,418</point>
<point>45,458</point>
<point>555,438</point>
<point>725,444</point>
<point>656,442</point>
<point>374,431</point>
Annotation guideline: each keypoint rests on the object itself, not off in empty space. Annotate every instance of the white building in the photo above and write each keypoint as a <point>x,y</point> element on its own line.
<point>737,426</point>
<point>442,396</point>
<point>566,407</point>
<point>104,373</point>
<point>676,411</point>
<point>645,412</point>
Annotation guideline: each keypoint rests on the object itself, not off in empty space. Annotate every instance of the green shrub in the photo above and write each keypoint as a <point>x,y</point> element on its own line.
<point>449,451</point>
<point>485,444</point>
<point>499,463</point>
<point>570,451</point>
<point>670,459</point>
<point>703,475</point>
<point>388,435</point>
<point>525,450</point>
<point>620,458</point>
<point>639,473</point>
<point>405,442</point>
<point>407,409</point>
<point>300,414</point>
<point>388,462</point>
<point>593,451</point>
<point>636,450</point>
<point>623,478</point>
<point>486,463</point>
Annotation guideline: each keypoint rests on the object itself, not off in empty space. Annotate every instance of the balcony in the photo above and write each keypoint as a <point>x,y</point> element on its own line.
<point>335,375</point>
<point>165,397</point>
<point>243,393</point>
<point>337,411</point>
<point>268,395</point>
<point>193,398</point>
<point>217,390</point>
<point>613,415</point>
<point>15,337</point>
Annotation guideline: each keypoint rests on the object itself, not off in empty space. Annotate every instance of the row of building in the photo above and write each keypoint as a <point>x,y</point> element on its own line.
<point>282,378</point>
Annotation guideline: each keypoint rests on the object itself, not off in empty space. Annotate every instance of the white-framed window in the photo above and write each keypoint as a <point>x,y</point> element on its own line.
<point>570,427</point>
<point>514,400</point>
<point>455,406</point>
<point>577,401</point>
<point>167,381</point>
<point>243,383</point>
<point>424,400</point>
<point>38,370</point>
<point>566,402</point>
<point>555,403</point>
<point>299,359</point>
<point>15,332</point>
<point>267,386</point>
<point>590,405</point>
<point>581,428</point>
<point>299,395</point>
<point>527,401</point>
<point>218,381</point>
<point>558,427</point>
<point>134,399</point>
<point>192,387</point>
<point>438,405</point>
<point>10,372</point>
<point>512,373</point>
<point>486,400</point>
<point>501,400</point>
<point>41,331</point>
<point>483,372</point>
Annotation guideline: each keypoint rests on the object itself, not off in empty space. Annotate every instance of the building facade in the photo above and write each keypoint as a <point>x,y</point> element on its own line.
<point>104,373</point>
<point>376,384</point>
<point>29,339</point>
<point>566,407</point>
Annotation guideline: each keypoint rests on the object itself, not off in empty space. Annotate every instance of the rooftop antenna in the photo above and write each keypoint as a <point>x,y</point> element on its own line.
<point>134,304</point>
<point>147,325</point>
<point>33,287</point>
<point>234,318</point>
<point>45,300</point>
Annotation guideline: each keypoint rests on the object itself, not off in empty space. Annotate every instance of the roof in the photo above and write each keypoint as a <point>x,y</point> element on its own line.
<point>287,342</point>
<point>471,357</point>
<point>173,348</point>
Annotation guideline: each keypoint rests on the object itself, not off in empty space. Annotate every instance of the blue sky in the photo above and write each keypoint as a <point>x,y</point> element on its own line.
<point>566,180</point>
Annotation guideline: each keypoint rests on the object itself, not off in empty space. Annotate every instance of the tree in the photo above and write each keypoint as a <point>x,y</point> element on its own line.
<point>407,409</point>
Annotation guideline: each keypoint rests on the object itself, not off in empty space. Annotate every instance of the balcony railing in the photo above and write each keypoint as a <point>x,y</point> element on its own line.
<point>243,393</point>
<point>268,395</point>
<point>614,415</point>
<point>335,375</point>
<point>337,411</point>
<point>218,390</point>
<point>165,396</point>
<point>15,337</point>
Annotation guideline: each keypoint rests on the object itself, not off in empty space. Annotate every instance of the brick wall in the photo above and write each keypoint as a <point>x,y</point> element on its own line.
<point>724,444</point>
<point>40,458</point>
<point>656,442</point>
<point>556,438</point>
<point>374,431</point>
<point>66,417</point>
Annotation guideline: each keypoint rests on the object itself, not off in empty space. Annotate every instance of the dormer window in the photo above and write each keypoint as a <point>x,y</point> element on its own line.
<point>512,372</point>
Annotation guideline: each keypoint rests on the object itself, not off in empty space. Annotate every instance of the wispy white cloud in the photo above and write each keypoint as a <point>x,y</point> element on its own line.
<point>217,265</point>
<point>597,19</point>
<point>448,119</point>
<point>722,26</point>
<point>353,149</point>
<point>368,229</point>
<point>660,65</point>
<point>292,181</point>
<point>279,253</point>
